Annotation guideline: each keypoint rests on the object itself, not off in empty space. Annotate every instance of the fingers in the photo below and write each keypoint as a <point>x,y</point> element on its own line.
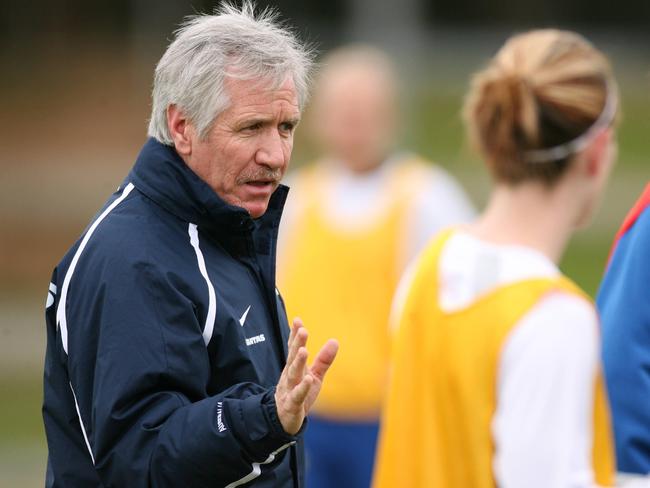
<point>324,359</point>
<point>296,371</point>
<point>291,408</point>
<point>299,386</point>
<point>295,385</point>
<point>297,324</point>
<point>300,392</point>
<point>299,340</point>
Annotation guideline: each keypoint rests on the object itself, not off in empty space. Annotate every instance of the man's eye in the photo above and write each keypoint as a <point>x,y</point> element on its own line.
<point>255,126</point>
<point>287,127</point>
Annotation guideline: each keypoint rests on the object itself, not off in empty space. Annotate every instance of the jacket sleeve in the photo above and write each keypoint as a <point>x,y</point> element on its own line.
<point>624,305</point>
<point>139,368</point>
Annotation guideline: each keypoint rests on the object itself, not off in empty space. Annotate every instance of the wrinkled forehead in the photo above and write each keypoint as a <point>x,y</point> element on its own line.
<point>262,95</point>
<point>262,76</point>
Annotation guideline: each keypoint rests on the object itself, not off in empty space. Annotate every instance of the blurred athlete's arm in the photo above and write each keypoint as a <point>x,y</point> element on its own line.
<point>543,424</point>
<point>624,305</point>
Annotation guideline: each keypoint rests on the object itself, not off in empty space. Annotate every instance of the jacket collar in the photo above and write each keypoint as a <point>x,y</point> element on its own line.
<point>161,174</point>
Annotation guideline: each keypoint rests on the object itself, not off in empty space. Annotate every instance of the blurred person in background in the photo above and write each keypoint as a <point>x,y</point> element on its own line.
<point>355,218</point>
<point>169,357</point>
<point>496,379</point>
<point>624,305</point>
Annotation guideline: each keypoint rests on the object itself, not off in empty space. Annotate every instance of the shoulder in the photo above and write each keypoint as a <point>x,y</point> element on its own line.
<point>416,171</point>
<point>305,174</point>
<point>129,231</point>
<point>471,268</point>
<point>567,308</point>
<point>436,194</point>
<point>428,173</point>
<point>628,271</point>
<point>301,183</point>
<point>637,239</point>
<point>562,326</point>
<point>629,262</point>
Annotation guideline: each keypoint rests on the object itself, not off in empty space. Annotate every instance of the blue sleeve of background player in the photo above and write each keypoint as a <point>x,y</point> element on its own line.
<point>624,305</point>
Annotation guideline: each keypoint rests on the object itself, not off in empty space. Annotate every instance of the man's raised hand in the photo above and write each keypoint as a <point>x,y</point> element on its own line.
<point>299,385</point>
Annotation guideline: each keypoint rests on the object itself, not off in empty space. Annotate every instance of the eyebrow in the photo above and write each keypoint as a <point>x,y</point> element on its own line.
<point>293,120</point>
<point>254,120</point>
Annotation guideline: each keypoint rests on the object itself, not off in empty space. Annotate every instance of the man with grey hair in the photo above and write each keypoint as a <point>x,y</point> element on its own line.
<point>170,362</point>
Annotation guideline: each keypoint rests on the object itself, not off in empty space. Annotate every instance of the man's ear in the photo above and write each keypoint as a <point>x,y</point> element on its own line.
<point>596,154</point>
<point>180,129</point>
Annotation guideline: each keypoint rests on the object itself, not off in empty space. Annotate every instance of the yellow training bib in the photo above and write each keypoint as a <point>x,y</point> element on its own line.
<point>340,280</point>
<point>442,396</point>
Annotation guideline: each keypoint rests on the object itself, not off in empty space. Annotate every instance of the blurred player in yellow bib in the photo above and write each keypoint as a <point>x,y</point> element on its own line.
<point>496,378</point>
<point>353,221</point>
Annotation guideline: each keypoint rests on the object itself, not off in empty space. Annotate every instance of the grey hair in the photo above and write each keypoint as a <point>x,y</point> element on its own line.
<point>235,43</point>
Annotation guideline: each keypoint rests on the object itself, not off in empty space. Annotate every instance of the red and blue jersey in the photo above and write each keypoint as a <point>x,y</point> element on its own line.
<point>624,304</point>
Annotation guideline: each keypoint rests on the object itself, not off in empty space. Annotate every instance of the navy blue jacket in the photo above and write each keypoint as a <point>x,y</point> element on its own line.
<point>165,338</point>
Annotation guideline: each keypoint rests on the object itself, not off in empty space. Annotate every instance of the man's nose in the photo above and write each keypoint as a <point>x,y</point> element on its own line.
<point>272,149</point>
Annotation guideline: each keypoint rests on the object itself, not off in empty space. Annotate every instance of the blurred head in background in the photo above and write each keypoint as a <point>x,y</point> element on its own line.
<point>355,107</point>
<point>542,113</point>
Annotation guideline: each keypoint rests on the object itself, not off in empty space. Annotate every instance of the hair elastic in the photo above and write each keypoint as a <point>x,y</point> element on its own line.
<point>561,151</point>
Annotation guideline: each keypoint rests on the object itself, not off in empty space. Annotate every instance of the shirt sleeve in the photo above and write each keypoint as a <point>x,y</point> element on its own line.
<point>139,370</point>
<point>439,203</point>
<point>543,424</point>
<point>624,305</point>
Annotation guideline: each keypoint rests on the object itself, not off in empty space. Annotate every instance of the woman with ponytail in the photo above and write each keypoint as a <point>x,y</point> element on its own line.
<point>496,378</point>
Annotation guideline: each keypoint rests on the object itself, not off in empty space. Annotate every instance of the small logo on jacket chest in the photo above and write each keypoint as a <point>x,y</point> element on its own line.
<point>250,341</point>
<point>242,320</point>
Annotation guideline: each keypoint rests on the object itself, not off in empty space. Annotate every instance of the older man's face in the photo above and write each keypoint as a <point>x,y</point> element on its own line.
<point>248,148</point>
